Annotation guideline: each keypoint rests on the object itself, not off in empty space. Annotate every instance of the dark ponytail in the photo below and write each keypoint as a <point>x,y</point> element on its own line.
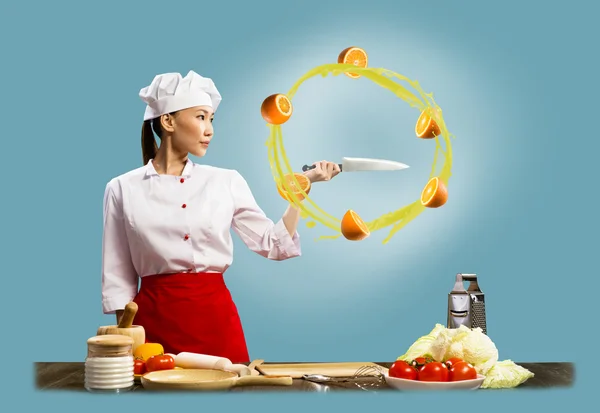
<point>149,146</point>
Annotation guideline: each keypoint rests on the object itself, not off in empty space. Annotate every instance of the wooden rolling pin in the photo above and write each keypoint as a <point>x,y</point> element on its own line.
<point>126,327</point>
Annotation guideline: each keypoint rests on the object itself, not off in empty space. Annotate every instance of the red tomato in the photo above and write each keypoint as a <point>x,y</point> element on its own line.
<point>160,362</point>
<point>434,371</point>
<point>139,366</point>
<point>421,361</point>
<point>462,371</point>
<point>402,370</point>
<point>452,361</point>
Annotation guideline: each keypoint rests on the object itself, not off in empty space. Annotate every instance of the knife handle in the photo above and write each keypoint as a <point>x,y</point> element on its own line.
<point>309,167</point>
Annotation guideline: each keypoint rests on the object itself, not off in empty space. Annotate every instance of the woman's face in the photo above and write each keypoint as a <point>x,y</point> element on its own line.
<point>192,130</point>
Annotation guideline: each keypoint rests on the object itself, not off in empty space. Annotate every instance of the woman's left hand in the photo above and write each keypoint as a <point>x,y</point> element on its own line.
<point>323,171</point>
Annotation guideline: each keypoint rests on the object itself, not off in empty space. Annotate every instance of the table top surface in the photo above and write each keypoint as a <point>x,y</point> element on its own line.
<point>69,376</point>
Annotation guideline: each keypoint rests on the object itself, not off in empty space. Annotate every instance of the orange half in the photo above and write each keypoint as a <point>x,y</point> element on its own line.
<point>353,227</point>
<point>427,127</point>
<point>353,56</point>
<point>276,109</point>
<point>435,193</point>
<point>304,185</point>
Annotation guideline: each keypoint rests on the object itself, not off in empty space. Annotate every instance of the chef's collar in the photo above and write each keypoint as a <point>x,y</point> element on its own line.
<point>187,170</point>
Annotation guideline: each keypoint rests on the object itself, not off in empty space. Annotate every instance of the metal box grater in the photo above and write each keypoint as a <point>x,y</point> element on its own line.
<point>466,307</point>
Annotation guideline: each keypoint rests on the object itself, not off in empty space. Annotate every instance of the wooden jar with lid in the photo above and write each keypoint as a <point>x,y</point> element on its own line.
<point>109,364</point>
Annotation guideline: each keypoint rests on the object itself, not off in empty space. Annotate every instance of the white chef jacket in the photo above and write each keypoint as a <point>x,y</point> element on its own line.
<point>161,224</point>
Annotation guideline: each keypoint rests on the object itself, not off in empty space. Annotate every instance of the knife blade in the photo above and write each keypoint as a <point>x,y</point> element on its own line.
<point>365,164</point>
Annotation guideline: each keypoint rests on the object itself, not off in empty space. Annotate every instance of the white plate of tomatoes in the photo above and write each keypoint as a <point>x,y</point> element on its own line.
<point>424,373</point>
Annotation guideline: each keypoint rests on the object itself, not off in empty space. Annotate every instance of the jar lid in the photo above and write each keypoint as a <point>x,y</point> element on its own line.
<point>110,344</point>
<point>110,340</point>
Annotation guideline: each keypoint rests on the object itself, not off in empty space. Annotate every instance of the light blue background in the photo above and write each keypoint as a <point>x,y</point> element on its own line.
<point>518,85</point>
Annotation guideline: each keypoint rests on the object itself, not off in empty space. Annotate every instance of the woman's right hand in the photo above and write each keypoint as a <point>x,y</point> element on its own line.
<point>322,171</point>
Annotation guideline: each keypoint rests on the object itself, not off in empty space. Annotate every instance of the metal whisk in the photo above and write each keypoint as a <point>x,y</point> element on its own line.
<point>372,371</point>
<point>374,374</point>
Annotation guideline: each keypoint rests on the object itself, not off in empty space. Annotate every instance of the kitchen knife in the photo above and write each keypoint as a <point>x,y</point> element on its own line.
<point>364,164</point>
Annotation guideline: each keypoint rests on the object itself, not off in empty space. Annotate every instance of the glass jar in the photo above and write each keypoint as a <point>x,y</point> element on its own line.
<point>109,364</point>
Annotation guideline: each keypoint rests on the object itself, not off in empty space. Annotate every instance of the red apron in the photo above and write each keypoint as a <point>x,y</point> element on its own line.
<point>191,312</point>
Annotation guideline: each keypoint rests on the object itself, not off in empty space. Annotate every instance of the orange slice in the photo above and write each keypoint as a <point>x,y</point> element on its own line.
<point>353,227</point>
<point>304,185</point>
<point>276,109</point>
<point>435,193</point>
<point>353,56</point>
<point>427,127</point>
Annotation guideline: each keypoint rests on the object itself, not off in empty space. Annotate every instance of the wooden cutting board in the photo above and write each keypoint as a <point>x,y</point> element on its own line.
<point>297,370</point>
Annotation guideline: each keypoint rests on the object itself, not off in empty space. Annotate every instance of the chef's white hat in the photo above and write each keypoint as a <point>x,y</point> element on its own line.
<point>170,92</point>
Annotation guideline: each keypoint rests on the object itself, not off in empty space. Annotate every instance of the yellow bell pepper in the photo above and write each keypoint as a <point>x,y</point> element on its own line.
<point>147,350</point>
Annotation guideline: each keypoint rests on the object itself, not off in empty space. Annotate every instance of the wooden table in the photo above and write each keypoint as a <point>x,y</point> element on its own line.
<point>69,376</point>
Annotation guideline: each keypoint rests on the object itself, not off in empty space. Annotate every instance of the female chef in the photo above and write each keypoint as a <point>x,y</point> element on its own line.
<point>168,224</point>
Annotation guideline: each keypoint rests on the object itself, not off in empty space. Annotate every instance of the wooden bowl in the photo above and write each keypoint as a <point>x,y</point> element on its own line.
<point>206,379</point>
